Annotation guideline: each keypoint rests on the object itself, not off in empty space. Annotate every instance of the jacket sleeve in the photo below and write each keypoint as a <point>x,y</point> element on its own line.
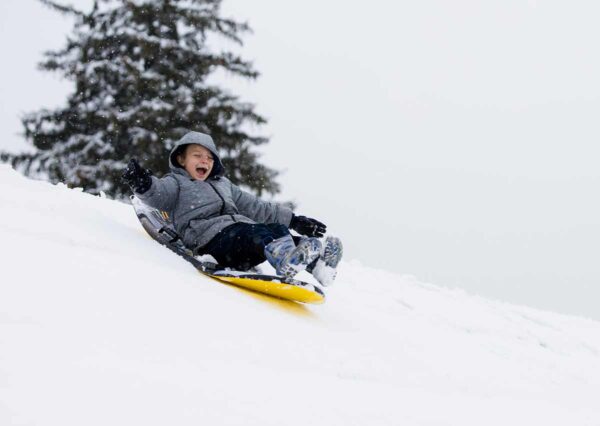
<point>259,210</point>
<point>162,194</point>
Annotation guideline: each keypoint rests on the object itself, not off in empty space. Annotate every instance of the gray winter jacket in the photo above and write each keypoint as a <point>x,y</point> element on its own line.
<point>201,209</point>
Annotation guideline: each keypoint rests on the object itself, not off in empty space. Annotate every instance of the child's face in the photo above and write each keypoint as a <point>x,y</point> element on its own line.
<point>197,161</point>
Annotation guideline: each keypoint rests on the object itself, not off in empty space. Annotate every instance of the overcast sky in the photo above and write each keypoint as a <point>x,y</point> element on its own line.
<point>454,141</point>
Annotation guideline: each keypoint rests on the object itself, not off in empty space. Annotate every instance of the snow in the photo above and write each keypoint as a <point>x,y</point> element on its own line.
<point>100,325</point>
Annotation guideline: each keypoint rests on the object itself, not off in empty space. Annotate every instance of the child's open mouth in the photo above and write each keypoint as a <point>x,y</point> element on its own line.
<point>202,171</point>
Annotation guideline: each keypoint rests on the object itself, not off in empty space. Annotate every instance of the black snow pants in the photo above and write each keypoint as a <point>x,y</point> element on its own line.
<point>242,245</point>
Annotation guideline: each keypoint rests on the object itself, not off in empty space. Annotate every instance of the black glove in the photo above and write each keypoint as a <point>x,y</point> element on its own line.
<point>307,226</point>
<point>137,177</point>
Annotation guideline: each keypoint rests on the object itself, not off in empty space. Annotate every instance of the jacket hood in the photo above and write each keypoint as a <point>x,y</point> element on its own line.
<point>197,138</point>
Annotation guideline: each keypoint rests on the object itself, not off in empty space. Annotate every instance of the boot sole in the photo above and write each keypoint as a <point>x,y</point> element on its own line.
<point>332,254</point>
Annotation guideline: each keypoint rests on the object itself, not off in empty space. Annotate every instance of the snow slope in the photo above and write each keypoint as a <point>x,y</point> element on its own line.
<point>99,325</point>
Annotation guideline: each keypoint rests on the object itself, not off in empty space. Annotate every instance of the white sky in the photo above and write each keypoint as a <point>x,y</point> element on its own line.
<point>456,141</point>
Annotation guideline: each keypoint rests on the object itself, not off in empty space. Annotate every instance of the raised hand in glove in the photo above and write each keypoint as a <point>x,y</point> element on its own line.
<point>307,226</point>
<point>137,177</point>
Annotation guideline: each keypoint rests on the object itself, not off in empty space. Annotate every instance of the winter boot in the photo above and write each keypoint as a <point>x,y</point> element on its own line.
<point>324,268</point>
<point>288,259</point>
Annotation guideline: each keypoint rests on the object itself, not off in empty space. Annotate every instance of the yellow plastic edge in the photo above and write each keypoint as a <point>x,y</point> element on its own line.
<point>281,290</point>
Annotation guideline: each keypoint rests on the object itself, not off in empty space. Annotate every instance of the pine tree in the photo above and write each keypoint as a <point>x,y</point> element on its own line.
<point>140,69</point>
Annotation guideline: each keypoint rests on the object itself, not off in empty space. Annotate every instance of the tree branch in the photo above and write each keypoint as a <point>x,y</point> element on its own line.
<point>63,8</point>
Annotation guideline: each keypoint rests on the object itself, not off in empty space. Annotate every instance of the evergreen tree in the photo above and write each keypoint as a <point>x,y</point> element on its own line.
<point>140,69</point>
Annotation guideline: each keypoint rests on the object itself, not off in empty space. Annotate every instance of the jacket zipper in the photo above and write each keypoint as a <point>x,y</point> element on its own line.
<point>222,199</point>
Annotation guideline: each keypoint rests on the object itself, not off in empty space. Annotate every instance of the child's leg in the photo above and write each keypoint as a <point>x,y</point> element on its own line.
<point>242,246</point>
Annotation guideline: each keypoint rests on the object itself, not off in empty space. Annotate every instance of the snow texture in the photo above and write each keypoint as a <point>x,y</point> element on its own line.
<point>324,274</point>
<point>99,325</point>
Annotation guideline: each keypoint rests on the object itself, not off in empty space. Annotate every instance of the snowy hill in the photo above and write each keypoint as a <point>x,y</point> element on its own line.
<point>101,326</point>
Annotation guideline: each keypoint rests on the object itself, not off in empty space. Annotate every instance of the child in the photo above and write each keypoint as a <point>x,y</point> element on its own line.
<point>214,216</point>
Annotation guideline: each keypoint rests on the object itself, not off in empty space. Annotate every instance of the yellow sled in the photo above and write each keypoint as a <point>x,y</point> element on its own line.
<point>296,291</point>
<point>158,225</point>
